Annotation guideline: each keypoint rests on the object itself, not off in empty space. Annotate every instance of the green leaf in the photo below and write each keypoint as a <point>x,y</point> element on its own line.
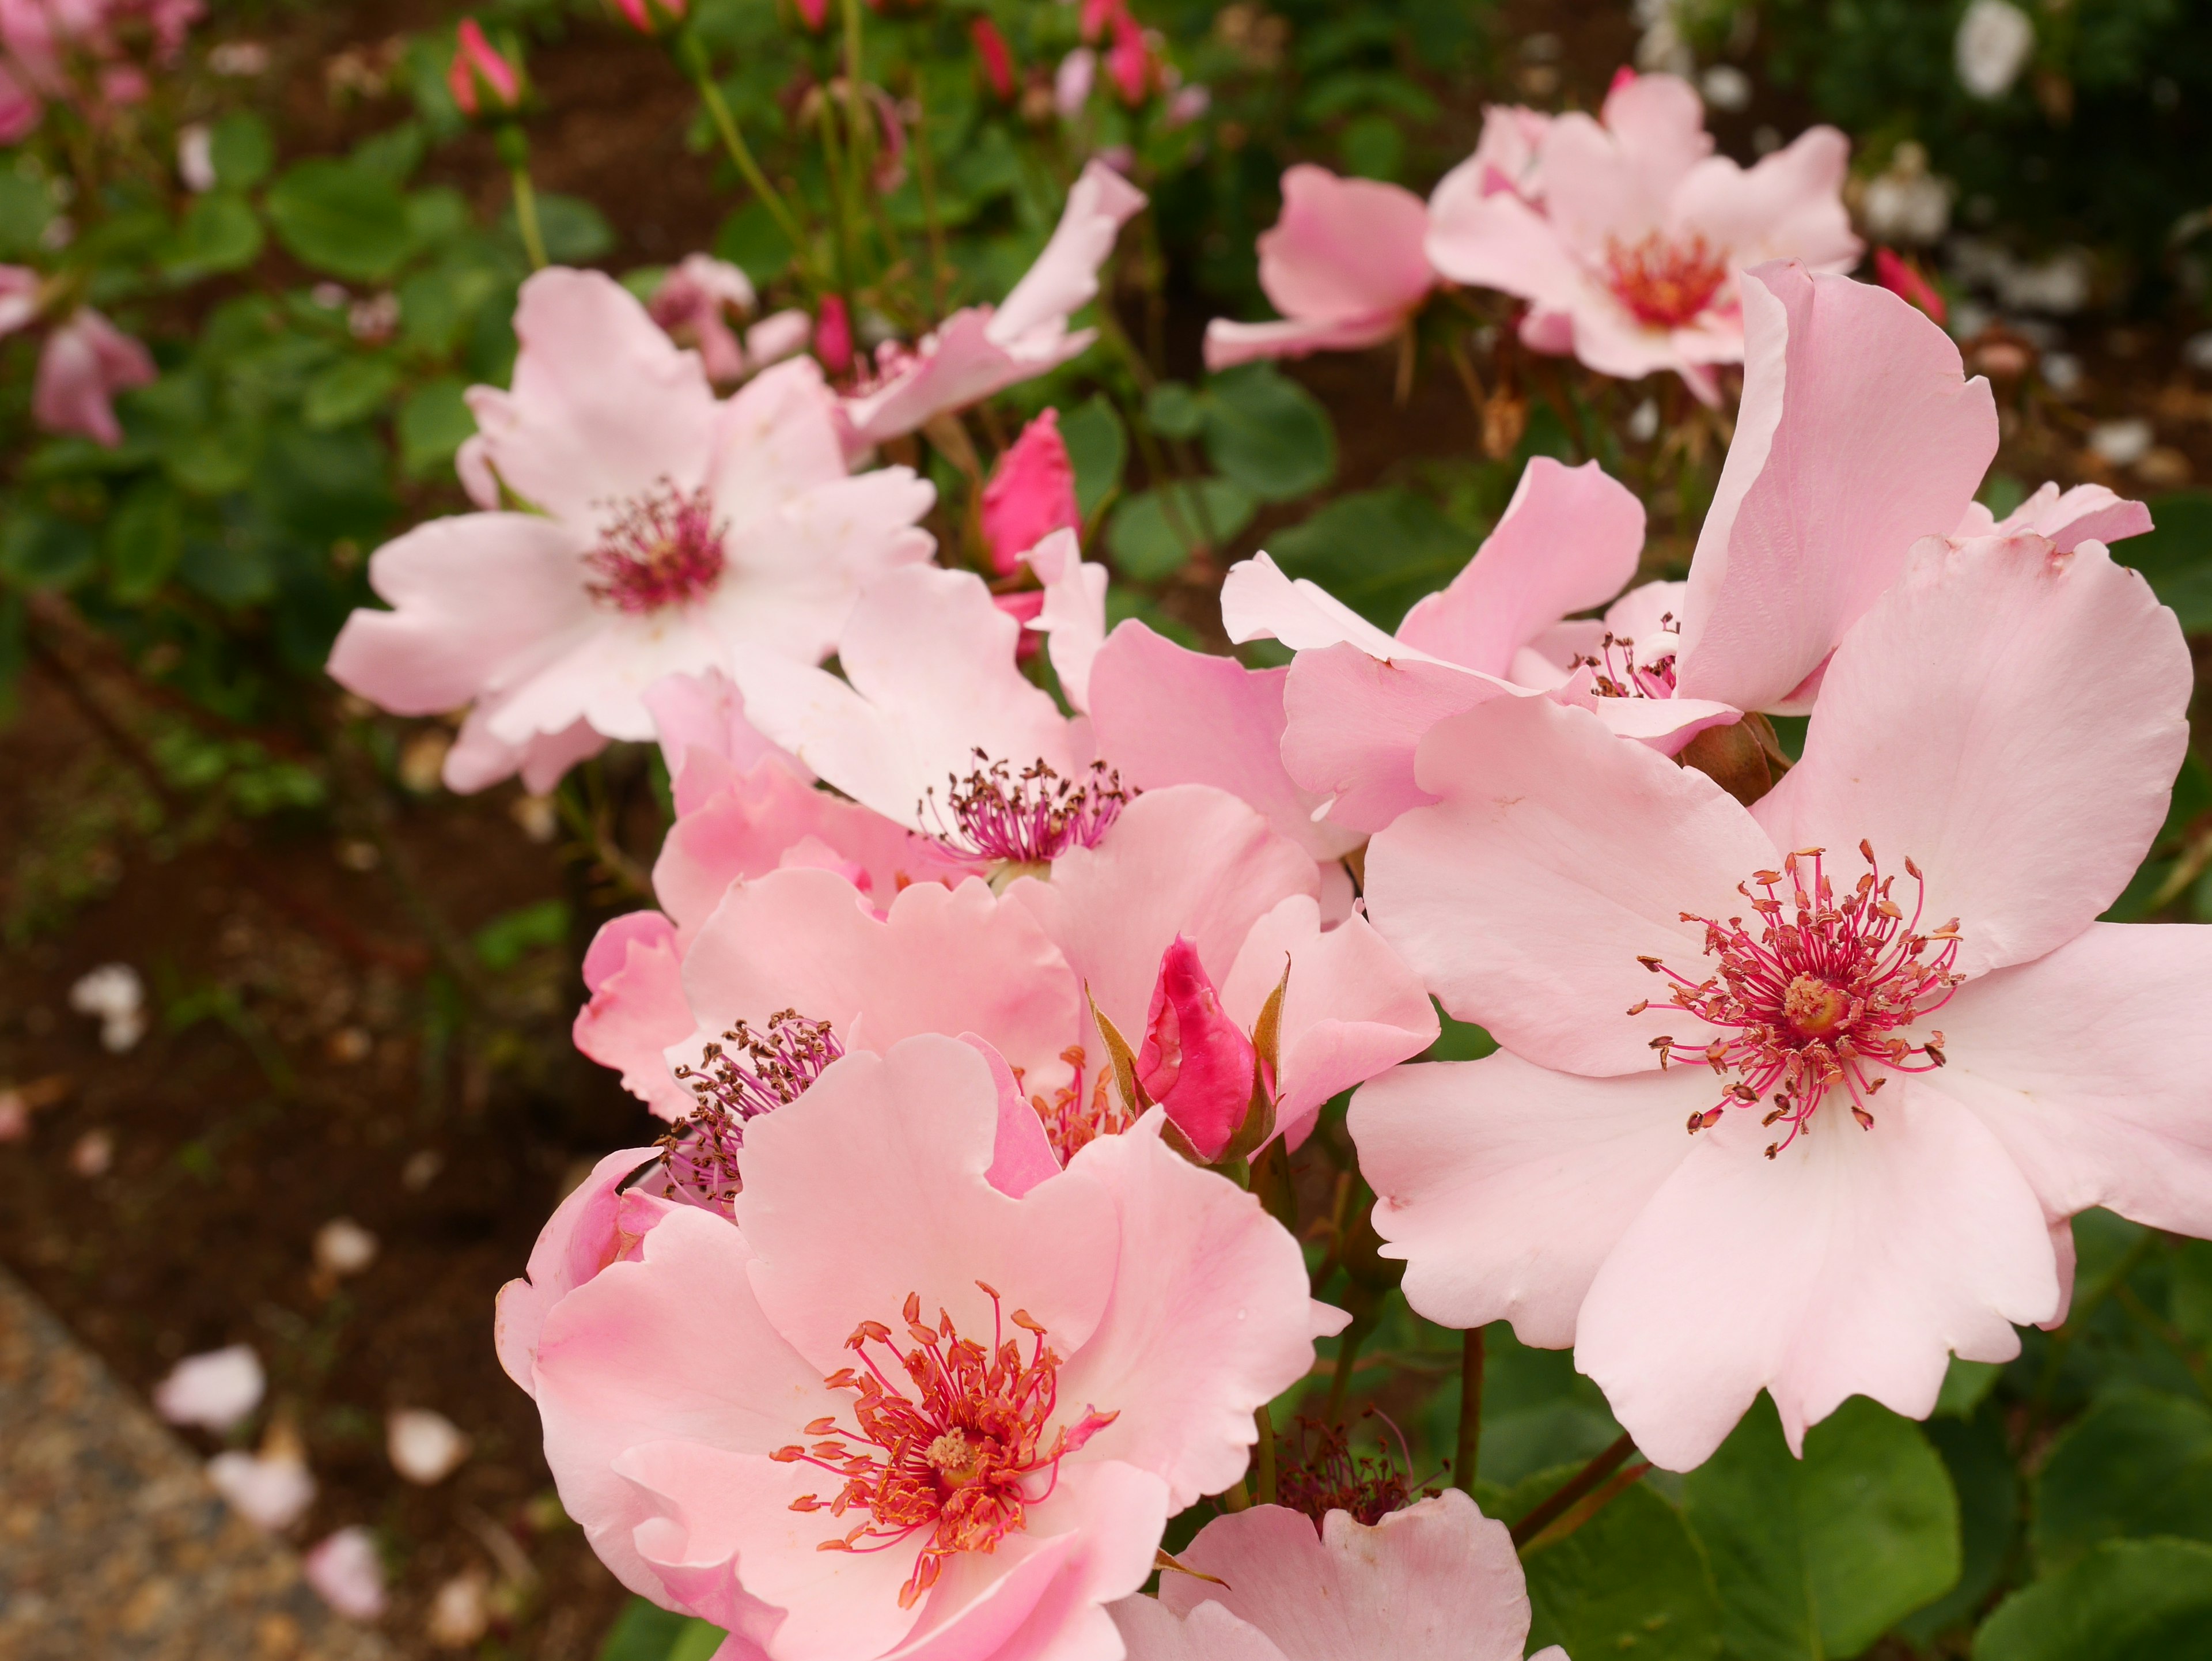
<point>393,153</point>
<point>751,240</point>
<point>2189,1292</point>
<point>437,305</point>
<point>219,232</point>
<point>233,570</point>
<point>575,232</point>
<point>1630,1582</point>
<point>643,1632</point>
<point>350,389</point>
<point>1979,1460</point>
<point>1458,1041</point>
<point>1819,1557</point>
<point>1964,1385</point>
<point>433,424</point>
<point>341,219</point>
<point>40,551</point>
<point>500,943</point>
<point>436,216</point>
<point>1268,434</point>
<point>1372,147</point>
<point>2137,1464</point>
<point>145,540</point>
<point>1154,533</point>
<point>1376,551</point>
<point>2148,1600</point>
<point>242,151</point>
<point>26,204</point>
<point>1173,411</point>
<point>2177,557</point>
<point>1098,446</point>
<point>698,1641</point>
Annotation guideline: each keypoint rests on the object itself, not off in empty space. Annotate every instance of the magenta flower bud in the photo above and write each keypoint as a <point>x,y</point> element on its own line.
<point>1031,495</point>
<point>654,17</point>
<point>1196,1062</point>
<point>482,79</point>
<point>996,57</point>
<point>833,336</point>
<point>815,14</point>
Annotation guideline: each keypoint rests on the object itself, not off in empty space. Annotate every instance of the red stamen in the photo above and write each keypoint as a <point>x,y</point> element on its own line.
<point>1070,1122</point>
<point>1815,1001</point>
<point>1665,284</point>
<point>663,549</point>
<point>961,1457</point>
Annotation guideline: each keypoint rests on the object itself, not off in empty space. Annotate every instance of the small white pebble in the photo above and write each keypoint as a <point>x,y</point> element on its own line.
<point>114,992</point>
<point>424,1447</point>
<point>272,1491</point>
<point>214,1390</point>
<point>92,1153</point>
<point>2122,443</point>
<point>459,1614</point>
<point>1725,87</point>
<point>343,1247</point>
<point>1643,425</point>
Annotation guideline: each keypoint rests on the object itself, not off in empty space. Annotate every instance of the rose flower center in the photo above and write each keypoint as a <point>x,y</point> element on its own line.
<point>962,1452</point>
<point>659,549</point>
<point>1664,284</point>
<point>1027,818</point>
<point>1817,1000</point>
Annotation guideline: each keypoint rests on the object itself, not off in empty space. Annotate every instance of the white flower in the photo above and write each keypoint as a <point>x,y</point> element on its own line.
<point>1995,39</point>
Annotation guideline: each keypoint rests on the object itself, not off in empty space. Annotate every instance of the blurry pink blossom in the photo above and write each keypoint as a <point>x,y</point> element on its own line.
<point>425,1447</point>
<point>1902,1066</point>
<point>995,55</point>
<point>653,16</point>
<point>480,77</point>
<point>833,336</point>
<point>1130,61</point>
<point>86,360</point>
<point>272,1490</point>
<point>1031,493</point>
<point>1072,80</point>
<point>982,349</point>
<point>1631,257</point>
<point>752,1328</point>
<point>214,1390</point>
<point>665,534</point>
<point>815,14</point>
<point>1507,159</point>
<point>1435,1581</point>
<point>347,1571</point>
<point>694,303</point>
<point>1344,264</point>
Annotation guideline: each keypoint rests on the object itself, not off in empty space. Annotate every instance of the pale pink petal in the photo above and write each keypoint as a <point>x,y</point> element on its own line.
<point>1855,1263</point>
<point>958,365</point>
<point>775,439</point>
<point>19,284</point>
<point>637,1008</point>
<point>1659,121</point>
<point>1228,342</point>
<point>1858,434</point>
<point>2087,513</point>
<point>2089,1065</point>
<point>1345,247</point>
<point>1073,618</point>
<point>1210,1633</point>
<point>1350,1010</point>
<point>1665,724</point>
<point>1504,1186</point>
<point>1788,206</point>
<point>1210,1317</point>
<point>1187,860</point>
<point>215,1390</point>
<point>1557,857</point>
<point>902,1143</point>
<point>603,405</point>
<point>1064,278</point>
<point>85,362</point>
<point>480,759</point>
<point>1259,601</point>
<point>476,600</point>
<point>1022,1155</point>
<point>595,1225</point>
<point>1499,241</point>
<point>705,713</point>
<point>347,1571</point>
<point>930,679</point>
<point>1164,715</point>
<point>2009,720</point>
<point>942,960</point>
<point>776,337</point>
<point>1569,540</point>
<point>1435,1581</point>
<point>672,1346</point>
<point>270,1491</point>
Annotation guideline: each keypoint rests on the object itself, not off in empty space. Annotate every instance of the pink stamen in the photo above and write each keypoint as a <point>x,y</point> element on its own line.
<point>960,1456</point>
<point>1027,818</point>
<point>1815,1001</point>
<point>1619,675</point>
<point>663,549</point>
<point>1664,284</point>
<point>700,1151</point>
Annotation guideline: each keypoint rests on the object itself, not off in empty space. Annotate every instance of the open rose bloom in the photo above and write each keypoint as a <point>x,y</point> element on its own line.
<point>1630,258</point>
<point>917,1396</point>
<point>1799,1097</point>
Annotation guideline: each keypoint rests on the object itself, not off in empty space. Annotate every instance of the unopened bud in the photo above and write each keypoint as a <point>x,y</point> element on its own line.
<point>1196,1062</point>
<point>485,80</point>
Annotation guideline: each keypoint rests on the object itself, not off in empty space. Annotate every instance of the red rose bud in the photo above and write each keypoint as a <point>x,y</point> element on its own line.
<point>482,81</point>
<point>815,14</point>
<point>1196,1062</point>
<point>1031,493</point>
<point>654,17</point>
<point>833,336</point>
<point>1902,278</point>
<point>997,58</point>
<point>1129,61</point>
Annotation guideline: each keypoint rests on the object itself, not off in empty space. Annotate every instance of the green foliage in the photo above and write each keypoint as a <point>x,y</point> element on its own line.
<point>1154,533</point>
<point>2177,556</point>
<point>2129,1600</point>
<point>1098,448</point>
<point>342,219</point>
<point>501,943</point>
<point>1631,1581</point>
<point>2138,1464</point>
<point>1376,551</point>
<point>646,1632</point>
<point>1268,434</point>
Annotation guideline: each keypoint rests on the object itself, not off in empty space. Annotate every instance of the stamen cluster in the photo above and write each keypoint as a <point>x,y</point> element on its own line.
<point>1816,1001</point>
<point>1665,284</point>
<point>1026,817</point>
<point>700,1151</point>
<point>1319,1472</point>
<point>663,549</point>
<point>1070,1122</point>
<point>962,1456</point>
<point>1619,675</point>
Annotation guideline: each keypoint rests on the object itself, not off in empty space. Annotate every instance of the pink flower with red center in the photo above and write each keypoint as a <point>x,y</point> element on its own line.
<point>1630,259</point>
<point>1344,264</point>
<point>1859,433</point>
<point>634,527</point>
<point>1903,1048</point>
<point>1435,1581</point>
<point>982,349</point>
<point>963,1419</point>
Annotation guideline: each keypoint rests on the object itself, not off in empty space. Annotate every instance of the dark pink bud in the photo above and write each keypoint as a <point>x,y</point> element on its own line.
<point>814,13</point>
<point>996,57</point>
<point>833,336</point>
<point>1196,1062</point>
<point>1902,278</point>
<point>1031,495</point>
<point>652,16</point>
<point>1097,14</point>
<point>1129,60</point>
<point>1024,607</point>
<point>481,80</point>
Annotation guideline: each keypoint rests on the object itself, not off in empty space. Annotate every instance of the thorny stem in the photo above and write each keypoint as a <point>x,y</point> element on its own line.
<point>1469,1449</point>
<point>1602,1466</point>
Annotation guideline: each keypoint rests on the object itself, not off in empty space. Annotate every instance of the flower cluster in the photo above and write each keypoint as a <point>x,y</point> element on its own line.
<point>984,1005</point>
